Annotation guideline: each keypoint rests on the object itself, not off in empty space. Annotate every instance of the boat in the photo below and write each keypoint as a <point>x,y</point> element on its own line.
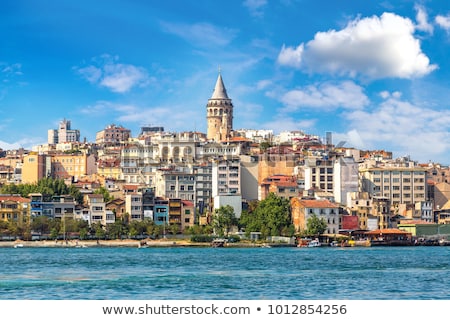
<point>218,243</point>
<point>18,245</point>
<point>309,243</point>
<point>314,243</point>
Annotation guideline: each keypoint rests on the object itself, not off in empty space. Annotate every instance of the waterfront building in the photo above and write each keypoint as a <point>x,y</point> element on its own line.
<point>219,113</point>
<point>133,206</point>
<point>303,209</point>
<point>117,206</point>
<point>96,209</point>
<point>64,133</point>
<point>14,208</point>
<point>187,214</point>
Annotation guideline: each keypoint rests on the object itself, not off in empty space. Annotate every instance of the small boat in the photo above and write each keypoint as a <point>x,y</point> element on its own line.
<point>314,243</point>
<point>18,245</point>
<point>218,243</point>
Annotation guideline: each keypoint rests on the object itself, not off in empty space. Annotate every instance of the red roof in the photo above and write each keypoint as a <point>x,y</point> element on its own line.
<point>14,198</point>
<point>323,203</point>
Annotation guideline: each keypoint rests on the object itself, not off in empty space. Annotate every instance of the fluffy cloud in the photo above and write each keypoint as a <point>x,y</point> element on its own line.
<point>401,127</point>
<point>326,96</point>
<point>443,22</point>
<point>117,77</point>
<point>375,47</point>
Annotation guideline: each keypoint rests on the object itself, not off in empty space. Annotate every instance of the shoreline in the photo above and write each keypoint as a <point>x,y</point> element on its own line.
<point>128,243</point>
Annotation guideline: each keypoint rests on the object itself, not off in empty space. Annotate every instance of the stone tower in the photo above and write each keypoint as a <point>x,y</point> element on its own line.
<point>219,113</point>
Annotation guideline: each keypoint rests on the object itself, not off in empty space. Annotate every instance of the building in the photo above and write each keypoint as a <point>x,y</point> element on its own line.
<point>73,166</point>
<point>226,176</point>
<point>187,214</point>
<point>96,207</point>
<point>281,185</point>
<point>64,133</point>
<point>14,208</point>
<point>303,209</point>
<point>133,206</point>
<point>399,184</point>
<point>219,113</point>
<point>345,178</point>
<point>112,135</point>
<point>35,167</point>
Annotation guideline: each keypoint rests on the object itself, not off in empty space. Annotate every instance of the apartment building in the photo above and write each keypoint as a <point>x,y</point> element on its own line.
<point>64,133</point>
<point>14,208</point>
<point>112,135</point>
<point>173,184</point>
<point>398,184</point>
<point>35,167</point>
<point>133,206</point>
<point>74,166</point>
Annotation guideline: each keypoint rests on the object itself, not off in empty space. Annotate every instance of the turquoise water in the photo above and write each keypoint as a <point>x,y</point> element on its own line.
<point>225,273</point>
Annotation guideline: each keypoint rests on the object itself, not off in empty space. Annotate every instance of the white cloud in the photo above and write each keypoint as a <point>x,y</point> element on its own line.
<point>401,127</point>
<point>255,7</point>
<point>345,94</point>
<point>292,57</point>
<point>202,34</point>
<point>26,143</point>
<point>117,77</point>
<point>285,123</point>
<point>422,20</point>
<point>374,47</point>
<point>443,22</point>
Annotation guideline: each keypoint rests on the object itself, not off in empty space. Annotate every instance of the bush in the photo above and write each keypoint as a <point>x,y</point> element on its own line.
<point>201,238</point>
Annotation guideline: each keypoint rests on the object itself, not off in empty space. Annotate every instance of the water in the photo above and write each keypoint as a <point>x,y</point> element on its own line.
<point>225,273</point>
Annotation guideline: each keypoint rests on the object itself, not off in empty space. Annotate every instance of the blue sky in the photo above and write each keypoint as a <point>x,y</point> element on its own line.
<point>375,73</point>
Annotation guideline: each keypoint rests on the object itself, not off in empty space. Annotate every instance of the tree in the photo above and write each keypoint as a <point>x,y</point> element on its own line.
<point>106,195</point>
<point>315,225</point>
<point>224,218</point>
<point>270,217</point>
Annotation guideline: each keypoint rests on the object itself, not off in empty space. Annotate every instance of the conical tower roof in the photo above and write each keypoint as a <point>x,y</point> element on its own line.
<point>219,90</point>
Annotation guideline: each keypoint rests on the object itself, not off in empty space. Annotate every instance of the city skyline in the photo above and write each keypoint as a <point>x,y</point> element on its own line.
<point>376,75</point>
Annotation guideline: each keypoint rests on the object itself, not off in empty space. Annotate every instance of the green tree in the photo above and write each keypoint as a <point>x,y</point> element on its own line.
<point>224,218</point>
<point>315,226</point>
<point>270,217</point>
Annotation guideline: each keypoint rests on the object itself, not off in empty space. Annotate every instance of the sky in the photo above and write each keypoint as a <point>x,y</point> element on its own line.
<point>374,73</point>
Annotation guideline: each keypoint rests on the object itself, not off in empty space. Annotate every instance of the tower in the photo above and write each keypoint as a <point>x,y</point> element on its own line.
<point>219,113</point>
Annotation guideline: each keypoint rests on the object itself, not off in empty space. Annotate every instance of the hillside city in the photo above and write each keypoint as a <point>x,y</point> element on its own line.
<point>181,180</point>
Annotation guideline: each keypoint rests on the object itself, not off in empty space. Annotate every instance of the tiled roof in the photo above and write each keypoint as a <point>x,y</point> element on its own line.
<point>318,204</point>
<point>14,198</point>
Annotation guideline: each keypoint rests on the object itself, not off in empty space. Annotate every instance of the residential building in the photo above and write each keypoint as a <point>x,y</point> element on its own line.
<point>281,185</point>
<point>35,167</point>
<point>161,214</point>
<point>187,214</point>
<point>133,206</point>
<point>360,205</point>
<point>112,135</point>
<point>172,184</point>
<point>15,208</point>
<point>73,166</point>
<point>303,209</point>
<point>96,208</point>
<point>345,178</point>
<point>226,176</point>
<point>64,133</point>
<point>399,184</point>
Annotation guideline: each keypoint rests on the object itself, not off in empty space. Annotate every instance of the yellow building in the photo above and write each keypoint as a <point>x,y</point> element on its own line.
<point>72,165</point>
<point>35,167</point>
<point>14,208</point>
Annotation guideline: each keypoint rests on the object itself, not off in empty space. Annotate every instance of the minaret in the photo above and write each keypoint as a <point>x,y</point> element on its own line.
<point>219,113</point>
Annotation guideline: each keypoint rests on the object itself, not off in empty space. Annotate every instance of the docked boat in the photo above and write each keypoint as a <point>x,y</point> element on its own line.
<point>314,243</point>
<point>218,243</point>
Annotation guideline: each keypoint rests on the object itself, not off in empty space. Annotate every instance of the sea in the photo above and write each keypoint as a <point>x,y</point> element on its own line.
<point>191,273</point>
